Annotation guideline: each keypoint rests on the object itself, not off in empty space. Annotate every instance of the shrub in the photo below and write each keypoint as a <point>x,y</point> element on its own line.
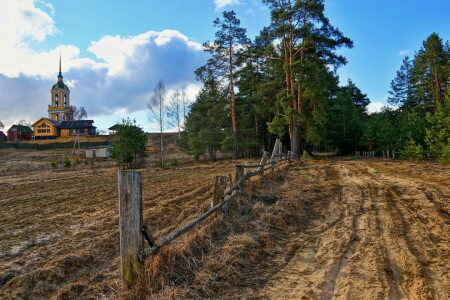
<point>305,155</point>
<point>174,162</point>
<point>67,163</point>
<point>76,162</point>
<point>445,155</point>
<point>53,164</point>
<point>413,151</point>
<point>159,164</point>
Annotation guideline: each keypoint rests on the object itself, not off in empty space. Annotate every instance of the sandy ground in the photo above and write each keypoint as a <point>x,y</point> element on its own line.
<point>384,234</point>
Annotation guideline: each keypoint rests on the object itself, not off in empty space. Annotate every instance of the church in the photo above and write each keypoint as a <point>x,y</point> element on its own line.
<point>60,121</point>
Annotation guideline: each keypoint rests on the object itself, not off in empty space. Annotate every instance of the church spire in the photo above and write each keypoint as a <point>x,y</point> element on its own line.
<point>60,74</point>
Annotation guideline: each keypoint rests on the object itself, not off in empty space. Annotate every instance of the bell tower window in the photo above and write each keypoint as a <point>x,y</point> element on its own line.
<point>65,99</point>
<point>56,99</point>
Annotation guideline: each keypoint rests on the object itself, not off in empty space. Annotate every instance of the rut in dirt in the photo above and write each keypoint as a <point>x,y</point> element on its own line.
<point>382,236</point>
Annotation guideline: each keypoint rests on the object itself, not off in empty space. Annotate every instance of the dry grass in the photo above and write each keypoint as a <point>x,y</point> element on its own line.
<point>222,252</point>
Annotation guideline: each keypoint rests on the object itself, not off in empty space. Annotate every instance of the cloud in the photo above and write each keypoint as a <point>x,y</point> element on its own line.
<point>223,3</point>
<point>403,52</point>
<point>250,11</point>
<point>375,107</point>
<point>119,81</point>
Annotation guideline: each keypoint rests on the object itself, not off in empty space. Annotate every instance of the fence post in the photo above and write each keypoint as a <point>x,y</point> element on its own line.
<point>130,222</point>
<point>276,147</point>
<point>219,189</point>
<point>387,154</point>
<point>239,173</point>
<point>264,159</point>
<point>393,154</point>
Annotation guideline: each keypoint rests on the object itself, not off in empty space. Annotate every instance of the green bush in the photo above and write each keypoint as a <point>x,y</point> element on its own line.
<point>305,155</point>
<point>67,163</point>
<point>445,155</point>
<point>53,164</point>
<point>174,162</point>
<point>413,150</point>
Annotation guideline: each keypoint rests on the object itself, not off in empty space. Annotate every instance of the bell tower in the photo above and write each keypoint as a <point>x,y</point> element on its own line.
<point>59,109</point>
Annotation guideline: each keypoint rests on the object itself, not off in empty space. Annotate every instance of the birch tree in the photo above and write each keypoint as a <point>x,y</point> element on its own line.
<point>158,113</point>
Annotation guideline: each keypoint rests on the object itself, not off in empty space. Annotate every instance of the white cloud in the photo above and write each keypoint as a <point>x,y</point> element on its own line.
<point>403,52</point>
<point>116,86</point>
<point>223,3</point>
<point>250,11</point>
<point>375,107</point>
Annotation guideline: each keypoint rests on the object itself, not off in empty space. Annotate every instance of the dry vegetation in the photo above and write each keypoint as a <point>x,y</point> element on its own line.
<point>365,229</point>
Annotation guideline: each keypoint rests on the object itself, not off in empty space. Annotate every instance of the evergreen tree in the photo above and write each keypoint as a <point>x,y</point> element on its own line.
<point>129,143</point>
<point>431,72</point>
<point>438,133</point>
<point>308,42</point>
<point>401,87</point>
<point>225,52</point>
<point>206,123</point>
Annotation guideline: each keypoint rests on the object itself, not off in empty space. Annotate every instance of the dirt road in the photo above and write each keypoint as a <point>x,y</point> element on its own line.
<point>384,234</point>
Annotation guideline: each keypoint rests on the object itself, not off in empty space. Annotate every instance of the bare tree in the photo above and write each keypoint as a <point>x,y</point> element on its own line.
<point>174,112</point>
<point>24,122</point>
<point>184,106</point>
<point>1,125</point>
<point>79,113</point>
<point>158,113</point>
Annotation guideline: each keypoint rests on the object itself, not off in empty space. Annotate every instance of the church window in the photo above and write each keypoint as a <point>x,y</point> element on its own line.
<point>56,99</point>
<point>65,99</point>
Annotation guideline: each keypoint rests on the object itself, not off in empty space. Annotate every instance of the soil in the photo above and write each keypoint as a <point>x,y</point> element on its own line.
<point>59,228</point>
<point>384,234</point>
<point>374,229</point>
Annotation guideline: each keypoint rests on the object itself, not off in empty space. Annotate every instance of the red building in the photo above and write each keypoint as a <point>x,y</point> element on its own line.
<point>19,133</point>
<point>2,136</point>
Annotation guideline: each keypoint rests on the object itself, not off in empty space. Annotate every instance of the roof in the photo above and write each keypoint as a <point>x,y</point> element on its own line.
<point>2,133</point>
<point>22,128</point>
<point>56,123</point>
<point>77,124</point>
<point>60,85</point>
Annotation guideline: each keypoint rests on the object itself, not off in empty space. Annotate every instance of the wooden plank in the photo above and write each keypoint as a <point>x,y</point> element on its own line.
<point>131,224</point>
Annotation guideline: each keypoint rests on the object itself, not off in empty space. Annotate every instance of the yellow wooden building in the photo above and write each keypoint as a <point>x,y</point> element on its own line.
<point>60,121</point>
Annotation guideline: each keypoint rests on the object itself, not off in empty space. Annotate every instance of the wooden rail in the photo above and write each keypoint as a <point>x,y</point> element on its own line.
<point>133,232</point>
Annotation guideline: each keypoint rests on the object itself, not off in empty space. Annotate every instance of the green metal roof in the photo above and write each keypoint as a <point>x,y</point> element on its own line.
<point>22,128</point>
<point>60,85</point>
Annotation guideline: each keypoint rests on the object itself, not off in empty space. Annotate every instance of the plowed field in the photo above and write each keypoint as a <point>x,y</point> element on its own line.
<point>59,229</point>
<point>370,229</point>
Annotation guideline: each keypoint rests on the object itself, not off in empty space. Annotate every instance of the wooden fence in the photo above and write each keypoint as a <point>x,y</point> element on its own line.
<point>133,232</point>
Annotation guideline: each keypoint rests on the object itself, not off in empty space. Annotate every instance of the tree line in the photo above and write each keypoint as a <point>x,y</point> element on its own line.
<point>284,84</point>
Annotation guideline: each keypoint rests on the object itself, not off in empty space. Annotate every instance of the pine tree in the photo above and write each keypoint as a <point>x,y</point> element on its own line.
<point>308,41</point>
<point>401,88</point>
<point>431,72</point>
<point>225,52</point>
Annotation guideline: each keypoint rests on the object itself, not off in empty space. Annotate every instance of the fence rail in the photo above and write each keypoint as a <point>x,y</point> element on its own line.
<point>221,202</point>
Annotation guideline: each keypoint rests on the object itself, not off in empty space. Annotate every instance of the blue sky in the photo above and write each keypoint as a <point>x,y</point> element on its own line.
<point>114,51</point>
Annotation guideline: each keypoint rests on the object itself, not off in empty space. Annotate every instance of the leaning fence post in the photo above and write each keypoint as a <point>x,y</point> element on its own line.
<point>219,189</point>
<point>130,222</point>
<point>275,149</point>
<point>264,159</point>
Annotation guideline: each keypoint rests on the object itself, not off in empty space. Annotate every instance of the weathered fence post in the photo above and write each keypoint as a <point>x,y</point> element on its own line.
<point>264,159</point>
<point>219,189</point>
<point>387,154</point>
<point>276,147</point>
<point>239,173</point>
<point>130,222</point>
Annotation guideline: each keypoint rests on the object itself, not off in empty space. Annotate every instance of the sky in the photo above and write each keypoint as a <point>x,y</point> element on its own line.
<point>114,52</point>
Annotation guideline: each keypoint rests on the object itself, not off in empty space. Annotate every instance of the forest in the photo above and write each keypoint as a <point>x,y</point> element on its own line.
<point>284,83</point>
